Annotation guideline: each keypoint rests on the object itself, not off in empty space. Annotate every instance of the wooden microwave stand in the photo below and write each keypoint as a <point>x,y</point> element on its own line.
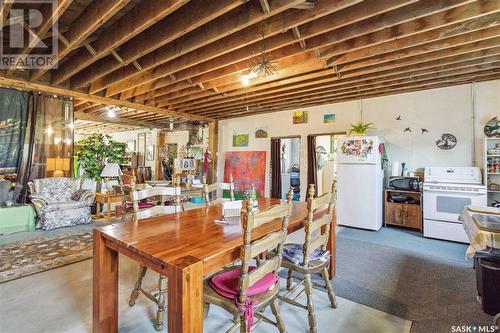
<point>407,215</point>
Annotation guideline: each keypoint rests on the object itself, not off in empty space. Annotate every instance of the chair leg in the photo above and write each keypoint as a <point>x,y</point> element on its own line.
<point>137,287</point>
<point>243,324</point>
<point>310,306</point>
<point>275,308</point>
<point>289,280</point>
<point>328,284</point>
<point>160,314</point>
<point>206,308</point>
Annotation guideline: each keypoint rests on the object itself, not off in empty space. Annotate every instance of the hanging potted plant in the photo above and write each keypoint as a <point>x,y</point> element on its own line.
<point>360,128</point>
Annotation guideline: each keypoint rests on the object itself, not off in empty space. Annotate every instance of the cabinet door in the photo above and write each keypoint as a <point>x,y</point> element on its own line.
<point>394,215</point>
<point>412,216</point>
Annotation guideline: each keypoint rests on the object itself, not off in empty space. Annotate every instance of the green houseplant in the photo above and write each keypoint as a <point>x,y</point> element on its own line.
<point>360,128</point>
<point>95,151</point>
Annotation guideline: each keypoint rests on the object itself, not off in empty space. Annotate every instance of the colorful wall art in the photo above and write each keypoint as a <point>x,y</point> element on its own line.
<point>300,117</point>
<point>261,132</point>
<point>247,168</point>
<point>329,118</point>
<point>240,140</point>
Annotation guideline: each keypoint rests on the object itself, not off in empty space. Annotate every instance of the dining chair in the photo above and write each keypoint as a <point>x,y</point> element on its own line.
<point>214,188</point>
<point>157,297</point>
<point>245,290</point>
<point>311,257</point>
<point>127,184</point>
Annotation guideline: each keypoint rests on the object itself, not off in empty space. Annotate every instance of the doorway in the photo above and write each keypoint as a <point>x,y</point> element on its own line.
<point>285,166</point>
<point>321,161</point>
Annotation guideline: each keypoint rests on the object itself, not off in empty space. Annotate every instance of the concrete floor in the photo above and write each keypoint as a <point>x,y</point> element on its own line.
<point>60,300</point>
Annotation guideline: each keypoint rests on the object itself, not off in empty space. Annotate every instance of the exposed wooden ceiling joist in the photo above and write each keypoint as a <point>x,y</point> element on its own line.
<point>158,60</point>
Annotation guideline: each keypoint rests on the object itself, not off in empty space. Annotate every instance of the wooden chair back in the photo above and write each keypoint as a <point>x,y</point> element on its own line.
<point>272,241</point>
<point>318,229</point>
<point>207,189</point>
<point>137,196</point>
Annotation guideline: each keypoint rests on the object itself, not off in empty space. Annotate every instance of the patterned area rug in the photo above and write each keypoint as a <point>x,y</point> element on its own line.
<point>37,255</point>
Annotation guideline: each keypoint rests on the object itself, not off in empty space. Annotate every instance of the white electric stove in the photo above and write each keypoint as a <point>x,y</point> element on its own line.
<point>446,191</point>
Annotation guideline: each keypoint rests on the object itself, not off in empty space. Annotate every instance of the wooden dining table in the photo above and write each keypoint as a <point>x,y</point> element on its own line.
<point>185,247</point>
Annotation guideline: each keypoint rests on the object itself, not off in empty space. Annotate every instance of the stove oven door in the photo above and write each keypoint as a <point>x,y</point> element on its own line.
<point>448,205</point>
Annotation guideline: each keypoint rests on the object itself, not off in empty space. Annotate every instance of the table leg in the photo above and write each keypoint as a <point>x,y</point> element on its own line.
<point>105,287</point>
<point>109,210</point>
<point>185,296</point>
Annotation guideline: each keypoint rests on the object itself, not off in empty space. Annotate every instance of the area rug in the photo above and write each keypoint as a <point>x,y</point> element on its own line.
<point>431,284</point>
<point>32,256</point>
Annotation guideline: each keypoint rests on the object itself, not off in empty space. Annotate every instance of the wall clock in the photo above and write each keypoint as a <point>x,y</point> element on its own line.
<point>447,141</point>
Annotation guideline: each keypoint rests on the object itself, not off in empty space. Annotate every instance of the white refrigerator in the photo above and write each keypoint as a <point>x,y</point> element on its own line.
<point>359,182</point>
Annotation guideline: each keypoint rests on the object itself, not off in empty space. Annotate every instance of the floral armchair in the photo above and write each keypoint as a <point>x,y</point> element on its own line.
<point>60,202</point>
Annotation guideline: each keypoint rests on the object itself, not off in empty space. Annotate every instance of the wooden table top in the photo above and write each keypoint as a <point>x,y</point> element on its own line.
<point>192,233</point>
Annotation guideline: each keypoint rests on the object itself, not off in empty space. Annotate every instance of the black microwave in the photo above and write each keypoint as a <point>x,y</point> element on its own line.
<point>405,183</point>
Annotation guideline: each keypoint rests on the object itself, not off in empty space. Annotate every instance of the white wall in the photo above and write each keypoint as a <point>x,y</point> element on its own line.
<point>444,110</point>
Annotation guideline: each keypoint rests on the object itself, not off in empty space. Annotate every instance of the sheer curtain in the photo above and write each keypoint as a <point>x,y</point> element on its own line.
<point>49,141</point>
<point>276,168</point>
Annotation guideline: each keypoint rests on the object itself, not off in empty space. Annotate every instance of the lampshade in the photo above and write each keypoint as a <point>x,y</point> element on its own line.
<point>111,170</point>
<point>58,164</point>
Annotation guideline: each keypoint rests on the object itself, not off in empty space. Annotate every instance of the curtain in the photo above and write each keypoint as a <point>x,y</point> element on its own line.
<point>13,124</point>
<point>276,168</point>
<point>312,164</point>
<point>49,141</point>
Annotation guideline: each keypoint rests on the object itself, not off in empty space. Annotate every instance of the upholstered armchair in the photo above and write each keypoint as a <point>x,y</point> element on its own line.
<point>60,202</point>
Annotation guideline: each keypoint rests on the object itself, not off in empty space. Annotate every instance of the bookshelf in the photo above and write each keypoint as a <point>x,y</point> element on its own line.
<point>492,168</point>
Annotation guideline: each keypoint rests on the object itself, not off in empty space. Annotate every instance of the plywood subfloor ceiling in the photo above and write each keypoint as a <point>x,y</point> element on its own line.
<point>162,59</point>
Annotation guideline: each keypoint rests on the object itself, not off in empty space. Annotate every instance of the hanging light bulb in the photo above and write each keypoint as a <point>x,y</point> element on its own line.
<point>245,80</point>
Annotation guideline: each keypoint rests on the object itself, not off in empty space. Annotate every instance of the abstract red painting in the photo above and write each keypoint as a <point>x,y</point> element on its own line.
<point>247,168</point>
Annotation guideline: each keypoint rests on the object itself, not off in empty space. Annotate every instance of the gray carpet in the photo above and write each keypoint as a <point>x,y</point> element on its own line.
<point>423,280</point>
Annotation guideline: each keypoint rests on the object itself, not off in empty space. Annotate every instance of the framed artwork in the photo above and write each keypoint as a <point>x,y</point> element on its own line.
<point>130,145</point>
<point>261,132</point>
<point>300,117</point>
<point>329,118</point>
<point>247,168</point>
<point>150,153</point>
<point>171,150</point>
<point>240,140</point>
<point>141,143</point>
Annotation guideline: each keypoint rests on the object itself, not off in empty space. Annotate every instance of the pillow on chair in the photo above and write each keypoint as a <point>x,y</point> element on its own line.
<point>295,254</point>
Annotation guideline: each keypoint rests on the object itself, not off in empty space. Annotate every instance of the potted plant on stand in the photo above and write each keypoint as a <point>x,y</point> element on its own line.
<point>94,152</point>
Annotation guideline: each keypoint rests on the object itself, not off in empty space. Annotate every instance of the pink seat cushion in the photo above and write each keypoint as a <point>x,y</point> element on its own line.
<point>226,284</point>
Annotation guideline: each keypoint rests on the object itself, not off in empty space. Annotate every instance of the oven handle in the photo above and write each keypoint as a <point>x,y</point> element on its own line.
<point>452,191</point>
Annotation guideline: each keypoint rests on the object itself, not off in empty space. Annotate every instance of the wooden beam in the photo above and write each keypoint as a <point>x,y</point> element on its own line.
<point>143,16</point>
<point>356,94</point>
<point>17,83</point>
<point>96,14</point>
<point>116,120</point>
<point>338,88</point>
<point>347,32</point>
<point>188,18</point>
<point>166,63</point>
<point>305,5</point>
<point>440,57</point>
<point>50,14</point>
<point>459,15</point>
<point>346,18</point>
<point>4,10</point>
<point>265,6</point>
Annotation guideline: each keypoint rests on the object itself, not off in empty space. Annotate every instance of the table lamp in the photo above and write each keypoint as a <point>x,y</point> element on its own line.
<point>58,165</point>
<point>111,170</point>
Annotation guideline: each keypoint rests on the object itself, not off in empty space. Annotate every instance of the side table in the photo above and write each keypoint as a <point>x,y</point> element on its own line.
<point>106,198</point>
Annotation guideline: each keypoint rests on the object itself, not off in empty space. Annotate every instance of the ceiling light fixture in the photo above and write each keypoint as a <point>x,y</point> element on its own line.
<point>263,66</point>
<point>111,113</point>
